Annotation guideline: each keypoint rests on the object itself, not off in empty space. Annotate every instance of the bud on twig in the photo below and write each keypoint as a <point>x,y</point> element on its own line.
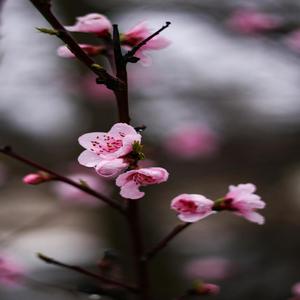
<point>49,31</point>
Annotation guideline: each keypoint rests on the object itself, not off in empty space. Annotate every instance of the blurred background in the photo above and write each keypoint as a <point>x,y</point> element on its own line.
<point>221,106</point>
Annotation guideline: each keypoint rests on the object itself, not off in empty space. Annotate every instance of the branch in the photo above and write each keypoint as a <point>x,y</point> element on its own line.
<point>45,9</point>
<point>83,271</point>
<point>131,53</point>
<point>9,152</point>
<point>121,94</point>
<point>165,241</point>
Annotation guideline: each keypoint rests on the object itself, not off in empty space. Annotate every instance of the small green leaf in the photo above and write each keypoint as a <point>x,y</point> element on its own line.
<point>47,30</point>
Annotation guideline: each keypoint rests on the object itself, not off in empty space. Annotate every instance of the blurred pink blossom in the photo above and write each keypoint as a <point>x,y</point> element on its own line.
<point>212,267</point>
<point>296,289</point>
<point>137,34</point>
<point>71,194</point>
<point>91,50</point>
<point>131,181</point>
<point>10,272</point>
<point>92,23</point>
<point>116,143</point>
<point>98,92</point>
<point>191,141</point>
<point>293,41</point>
<point>251,21</point>
<point>243,202</point>
<point>192,207</point>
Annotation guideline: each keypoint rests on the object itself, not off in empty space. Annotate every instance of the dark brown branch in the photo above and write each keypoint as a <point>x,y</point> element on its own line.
<point>9,152</point>
<point>44,8</point>
<point>131,53</point>
<point>165,241</point>
<point>121,94</point>
<point>138,248</point>
<point>83,271</point>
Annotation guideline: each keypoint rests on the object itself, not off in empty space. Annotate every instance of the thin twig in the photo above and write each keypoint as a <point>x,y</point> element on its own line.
<point>83,271</point>
<point>45,9</point>
<point>165,241</point>
<point>9,152</point>
<point>131,52</point>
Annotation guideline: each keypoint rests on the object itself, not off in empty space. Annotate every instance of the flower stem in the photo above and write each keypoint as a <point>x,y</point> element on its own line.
<point>9,152</point>
<point>165,241</point>
<point>83,271</point>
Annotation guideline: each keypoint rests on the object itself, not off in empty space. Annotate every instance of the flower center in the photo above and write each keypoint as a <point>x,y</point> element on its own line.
<point>108,145</point>
<point>142,179</point>
<point>186,206</point>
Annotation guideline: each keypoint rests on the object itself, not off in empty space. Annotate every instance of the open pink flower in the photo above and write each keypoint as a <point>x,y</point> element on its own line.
<point>243,202</point>
<point>192,207</point>
<point>116,143</point>
<point>191,141</point>
<point>131,181</point>
<point>92,23</point>
<point>250,21</point>
<point>64,51</point>
<point>137,34</point>
<point>111,167</point>
<point>10,272</point>
<point>73,195</point>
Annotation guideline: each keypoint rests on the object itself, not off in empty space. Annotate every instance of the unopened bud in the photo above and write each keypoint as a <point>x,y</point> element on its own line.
<point>36,178</point>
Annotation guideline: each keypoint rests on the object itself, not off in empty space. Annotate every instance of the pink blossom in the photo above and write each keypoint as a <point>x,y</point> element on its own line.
<point>112,167</point>
<point>116,143</point>
<point>73,195</point>
<point>131,181</point>
<point>243,202</point>
<point>36,178</point>
<point>192,207</point>
<point>296,289</point>
<point>216,268</point>
<point>137,34</point>
<point>92,23</point>
<point>207,289</point>
<point>293,41</point>
<point>191,141</point>
<point>10,272</point>
<point>64,51</point>
<point>250,21</point>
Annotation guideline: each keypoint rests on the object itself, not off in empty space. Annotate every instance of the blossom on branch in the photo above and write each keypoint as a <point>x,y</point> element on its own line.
<point>139,33</point>
<point>131,181</point>
<point>91,50</point>
<point>92,23</point>
<point>192,207</point>
<point>242,201</point>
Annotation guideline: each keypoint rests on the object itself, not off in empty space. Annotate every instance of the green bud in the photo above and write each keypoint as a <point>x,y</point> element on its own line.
<point>47,30</point>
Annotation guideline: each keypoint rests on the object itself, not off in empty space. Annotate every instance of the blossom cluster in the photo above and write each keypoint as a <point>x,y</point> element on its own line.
<point>101,26</point>
<point>116,154</point>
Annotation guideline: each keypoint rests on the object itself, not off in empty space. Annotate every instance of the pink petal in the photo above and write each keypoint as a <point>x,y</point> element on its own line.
<point>123,178</point>
<point>89,159</point>
<point>85,139</point>
<point>252,216</point>
<point>191,218</point>
<point>120,130</point>
<point>131,191</point>
<point>111,168</point>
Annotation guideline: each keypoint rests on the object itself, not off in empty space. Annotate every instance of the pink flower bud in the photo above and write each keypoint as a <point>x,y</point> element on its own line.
<point>131,181</point>
<point>192,207</point>
<point>111,168</point>
<point>64,51</point>
<point>36,178</point>
<point>92,23</point>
